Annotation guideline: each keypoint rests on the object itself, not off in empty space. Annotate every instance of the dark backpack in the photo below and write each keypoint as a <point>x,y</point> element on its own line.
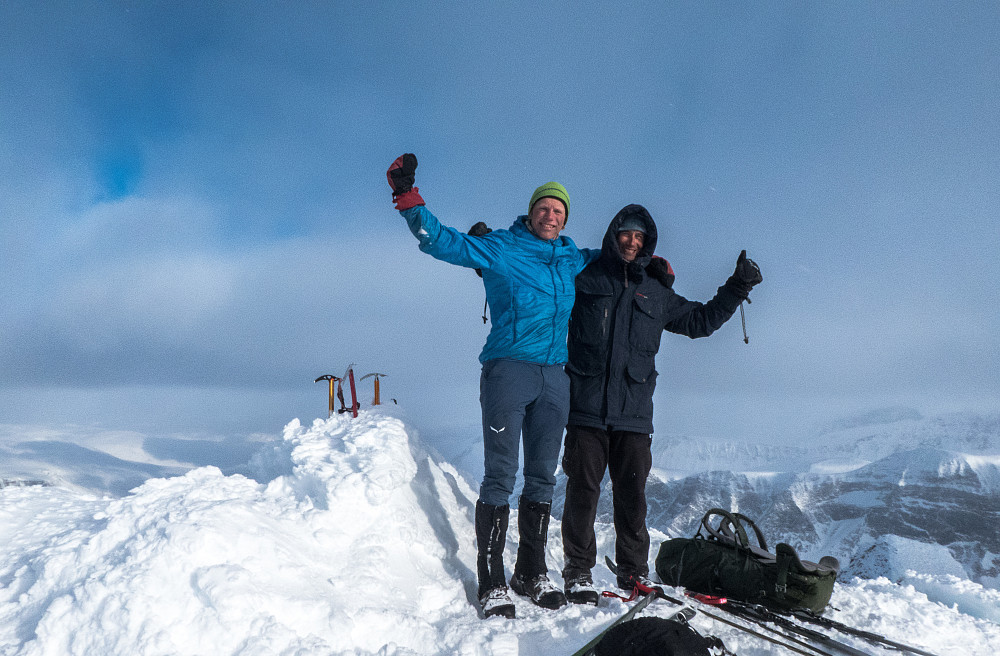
<point>723,562</point>
<point>654,636</point>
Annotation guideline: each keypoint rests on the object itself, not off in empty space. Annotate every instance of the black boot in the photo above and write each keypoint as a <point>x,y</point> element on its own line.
<point>530,572</point>
<point>491,537</point>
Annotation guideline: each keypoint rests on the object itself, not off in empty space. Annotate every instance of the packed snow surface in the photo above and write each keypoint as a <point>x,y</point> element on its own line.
<point>366,547</point>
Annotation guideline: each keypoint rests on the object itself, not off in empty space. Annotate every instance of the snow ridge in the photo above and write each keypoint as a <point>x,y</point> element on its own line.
<point>361,542</point>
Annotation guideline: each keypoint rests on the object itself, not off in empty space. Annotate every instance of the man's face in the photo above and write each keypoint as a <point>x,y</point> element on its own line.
<point>547,218</point>
<point>630,243</point>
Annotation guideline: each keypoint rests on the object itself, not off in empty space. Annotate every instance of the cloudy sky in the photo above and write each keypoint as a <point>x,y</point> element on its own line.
<point>195,223</point>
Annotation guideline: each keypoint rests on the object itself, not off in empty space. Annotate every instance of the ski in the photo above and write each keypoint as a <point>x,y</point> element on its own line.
<point>859,633</point>
<point>787,642</point>
<point>761,616</point>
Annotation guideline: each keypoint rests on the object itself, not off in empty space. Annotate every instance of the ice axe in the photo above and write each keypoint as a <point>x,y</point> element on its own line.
<point>377,376</point>
<point>340,391</point>
<point>354,394</point>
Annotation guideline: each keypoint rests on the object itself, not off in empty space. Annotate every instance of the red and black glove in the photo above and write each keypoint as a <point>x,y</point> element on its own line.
<point>661,270</point>
<point>401,178</point>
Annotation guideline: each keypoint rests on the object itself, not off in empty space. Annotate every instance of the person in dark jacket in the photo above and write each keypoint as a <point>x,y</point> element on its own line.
<point>528,272</point>
<point>624,302</point>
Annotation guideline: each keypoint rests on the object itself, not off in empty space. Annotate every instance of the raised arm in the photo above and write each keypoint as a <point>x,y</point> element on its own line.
<point>437,240</point>
<point>696,319</point>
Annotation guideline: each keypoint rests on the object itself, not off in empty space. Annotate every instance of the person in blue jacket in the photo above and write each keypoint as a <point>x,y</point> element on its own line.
<point>528,272</point>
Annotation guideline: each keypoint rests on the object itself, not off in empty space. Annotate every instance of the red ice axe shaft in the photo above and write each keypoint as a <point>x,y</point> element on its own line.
<point>354,394</point>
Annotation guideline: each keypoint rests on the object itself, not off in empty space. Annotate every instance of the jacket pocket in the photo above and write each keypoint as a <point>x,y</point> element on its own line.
<point>640,382</point>
<point>646,324</point>
<point>586,392</point>
<point>591,319</point>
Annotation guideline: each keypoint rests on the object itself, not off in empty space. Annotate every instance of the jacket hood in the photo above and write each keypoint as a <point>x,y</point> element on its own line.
<point>609,248</point>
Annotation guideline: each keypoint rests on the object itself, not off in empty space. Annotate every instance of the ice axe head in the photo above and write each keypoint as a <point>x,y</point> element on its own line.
<point>377,400</point>
<point>332,380</point>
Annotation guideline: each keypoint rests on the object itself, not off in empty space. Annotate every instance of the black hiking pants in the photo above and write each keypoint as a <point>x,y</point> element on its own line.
<point>626,455</point>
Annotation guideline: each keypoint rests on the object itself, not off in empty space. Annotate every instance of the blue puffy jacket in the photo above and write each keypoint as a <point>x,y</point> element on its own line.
<point>529,283</point>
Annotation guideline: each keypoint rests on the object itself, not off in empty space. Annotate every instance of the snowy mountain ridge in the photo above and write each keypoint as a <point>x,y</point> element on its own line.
<point>849,443</point>
<point>871,515</point>
<point>877,491</point>
<point>354,539</point>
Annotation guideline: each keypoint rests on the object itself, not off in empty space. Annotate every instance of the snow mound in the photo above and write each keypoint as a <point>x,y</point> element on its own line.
<point>347,555</point>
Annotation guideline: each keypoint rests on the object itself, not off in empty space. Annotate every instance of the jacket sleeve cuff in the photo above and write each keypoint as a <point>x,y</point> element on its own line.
<point>736,291</point>
<point>407,200</point>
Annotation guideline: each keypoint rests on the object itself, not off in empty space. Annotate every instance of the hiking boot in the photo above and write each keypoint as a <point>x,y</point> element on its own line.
<point>631,581</point>
<point>580,589</point>
<point>497,602</point>
<point>491,537</point>
<point>540,590</point>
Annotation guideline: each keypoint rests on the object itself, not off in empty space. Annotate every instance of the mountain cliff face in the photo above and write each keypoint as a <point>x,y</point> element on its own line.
<point>883,498</point>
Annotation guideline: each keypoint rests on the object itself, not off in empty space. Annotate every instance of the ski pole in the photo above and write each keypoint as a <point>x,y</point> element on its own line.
<point>658,592</point>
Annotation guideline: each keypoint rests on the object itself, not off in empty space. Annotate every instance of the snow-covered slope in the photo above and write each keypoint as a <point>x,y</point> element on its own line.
<point>361,542</point>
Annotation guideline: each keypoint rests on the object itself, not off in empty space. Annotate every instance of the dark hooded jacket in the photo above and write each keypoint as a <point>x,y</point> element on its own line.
<point>615,328</point>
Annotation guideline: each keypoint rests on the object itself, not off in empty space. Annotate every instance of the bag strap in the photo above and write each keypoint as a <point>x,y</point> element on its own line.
<point>724,535</point>
<point>731,528</point>
<point>761,542</point>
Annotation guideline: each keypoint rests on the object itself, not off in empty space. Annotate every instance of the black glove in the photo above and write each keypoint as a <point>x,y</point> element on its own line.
<point>747,270</point>
<point>747,275</point>
<point>479,230</point>
<point>661,270</point>
<point>401,174</point>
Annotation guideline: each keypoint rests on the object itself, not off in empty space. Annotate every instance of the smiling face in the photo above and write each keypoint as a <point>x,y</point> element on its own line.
<point>547,218</point>
<point>630,243</point>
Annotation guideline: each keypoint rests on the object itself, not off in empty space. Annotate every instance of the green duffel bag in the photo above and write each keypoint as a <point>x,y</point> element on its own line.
<point>721,561</point>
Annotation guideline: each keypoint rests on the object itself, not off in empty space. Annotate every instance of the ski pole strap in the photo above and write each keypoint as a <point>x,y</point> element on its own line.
<point>608,594</point>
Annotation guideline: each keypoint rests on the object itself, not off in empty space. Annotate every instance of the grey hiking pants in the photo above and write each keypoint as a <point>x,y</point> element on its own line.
<point>521,399</point>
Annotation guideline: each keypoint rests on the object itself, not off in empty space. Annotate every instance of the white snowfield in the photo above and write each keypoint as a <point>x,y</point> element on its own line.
<point>367,547</point>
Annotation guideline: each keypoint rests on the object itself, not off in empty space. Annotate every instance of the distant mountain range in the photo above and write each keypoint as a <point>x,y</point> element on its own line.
<point>885,493</point>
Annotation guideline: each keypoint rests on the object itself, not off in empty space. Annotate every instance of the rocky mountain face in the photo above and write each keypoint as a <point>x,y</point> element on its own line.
<point>885,497</point>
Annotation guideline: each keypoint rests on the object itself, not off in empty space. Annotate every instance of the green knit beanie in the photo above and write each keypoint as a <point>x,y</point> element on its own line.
<point>550,190</point>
